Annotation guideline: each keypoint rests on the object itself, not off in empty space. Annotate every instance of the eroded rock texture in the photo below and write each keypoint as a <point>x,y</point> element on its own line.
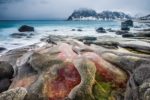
<point>71,70</point>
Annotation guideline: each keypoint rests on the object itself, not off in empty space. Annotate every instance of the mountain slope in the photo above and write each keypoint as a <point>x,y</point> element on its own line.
<point>89,14</point>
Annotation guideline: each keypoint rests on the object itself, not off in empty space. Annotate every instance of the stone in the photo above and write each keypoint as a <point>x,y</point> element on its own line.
<point>143,34</point>
<point>79,30</point>
<point>127,35</point>
<point>121,32</point>
<point>4,84</point>
<point>141,74</point>
<point>100,30</point>
<point>2,49</point>
<point>26,28</point>
<point>87,38</point>
<point>6,70</point>
<point>126,25</point>
<point>14,94</point>
<point>110,30</point>
<point>73,30</point>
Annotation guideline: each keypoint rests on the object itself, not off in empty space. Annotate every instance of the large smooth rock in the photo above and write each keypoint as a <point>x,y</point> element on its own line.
<point>100,30</point>
<point>6,70</point>
<point>2,49</point>
<point>26,28</point>
<point>58,72</point>
<point>126,25</point>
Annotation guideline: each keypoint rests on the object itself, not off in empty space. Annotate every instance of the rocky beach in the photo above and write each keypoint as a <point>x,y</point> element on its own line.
<point>61,67</point>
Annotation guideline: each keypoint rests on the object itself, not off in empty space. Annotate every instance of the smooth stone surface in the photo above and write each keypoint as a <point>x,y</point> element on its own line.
<point>6,70</point>
<point>79,30</point>
<point>26,28</point>
<point>100,30</point>
<point>2,49</point>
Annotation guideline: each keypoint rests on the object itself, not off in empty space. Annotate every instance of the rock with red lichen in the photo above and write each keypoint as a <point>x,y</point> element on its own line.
<point>67,71</point>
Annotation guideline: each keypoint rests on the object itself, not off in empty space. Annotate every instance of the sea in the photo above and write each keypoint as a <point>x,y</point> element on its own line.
<point>44,28</point>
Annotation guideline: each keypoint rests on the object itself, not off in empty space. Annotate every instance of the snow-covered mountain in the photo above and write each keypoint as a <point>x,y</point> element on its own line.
<point>147,17</point>
<point>89,14</point>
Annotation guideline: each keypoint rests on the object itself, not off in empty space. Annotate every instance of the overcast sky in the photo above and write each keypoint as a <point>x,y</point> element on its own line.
<point>53,9</point>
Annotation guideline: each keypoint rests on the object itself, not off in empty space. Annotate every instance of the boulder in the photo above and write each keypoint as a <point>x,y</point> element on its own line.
<point>2,49</point>
<point>126,25</point>
<point>58,72</point>
<point>79,30</point>
<point>6,70</point>
<point>143,34</point>
<point>26,28</point>
<point>73,30</point>
<point>128,35</point>
<point>110,30</point>
<point>100,30</point>
<point>4,84</point>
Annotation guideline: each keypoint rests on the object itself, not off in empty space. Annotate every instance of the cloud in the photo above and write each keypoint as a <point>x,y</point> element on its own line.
<point>52,9</point>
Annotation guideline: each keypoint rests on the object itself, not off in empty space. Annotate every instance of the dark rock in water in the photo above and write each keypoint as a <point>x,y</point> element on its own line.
<point>2,49</point>
<point>128,35</point>
<point>4,84</point>
<point>79,30</point>
<point>101,30</point>
<point>18,35</point>
<point>137,26</point>
<point>143,34</point>
<point>146,29</point>
<point>21,35</point>
<point>73,30</point>
<point>110,30</point>
<point>55,30</point>
<point>121,32</point>
<point>26,28</point>
<point>129,23</point>
<point>89,38</point>
<point>6,70</point>
<point>126,25</point>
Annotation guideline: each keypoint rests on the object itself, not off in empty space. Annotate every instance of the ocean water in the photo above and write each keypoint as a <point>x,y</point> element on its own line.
<point>45,28</point>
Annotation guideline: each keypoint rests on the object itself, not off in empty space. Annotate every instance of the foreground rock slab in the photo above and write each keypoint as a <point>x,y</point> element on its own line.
<point>68,69</point>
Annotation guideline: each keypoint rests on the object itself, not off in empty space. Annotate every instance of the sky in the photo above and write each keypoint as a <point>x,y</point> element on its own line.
<point>61,9</point>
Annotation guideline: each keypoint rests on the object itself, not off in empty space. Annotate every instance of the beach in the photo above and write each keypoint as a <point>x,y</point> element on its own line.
<point>74,60</point>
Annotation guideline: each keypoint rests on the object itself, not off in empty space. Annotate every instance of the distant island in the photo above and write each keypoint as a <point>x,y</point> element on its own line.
<point>147,17</point>
<point>90,14</point>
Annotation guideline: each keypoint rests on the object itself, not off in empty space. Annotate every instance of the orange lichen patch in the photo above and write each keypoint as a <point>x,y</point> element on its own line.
<point>66,52</point>
<point>59,88</point>
<point>25,82</point>
<point>107,70</point>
